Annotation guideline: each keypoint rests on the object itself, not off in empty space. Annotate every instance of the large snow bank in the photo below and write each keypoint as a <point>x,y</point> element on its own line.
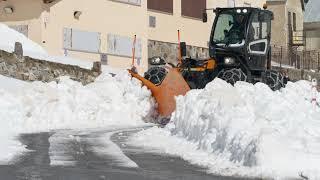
<point>246,130</point>
<point>109,101</point>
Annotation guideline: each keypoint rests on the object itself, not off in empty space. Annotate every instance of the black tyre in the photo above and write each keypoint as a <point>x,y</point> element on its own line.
<point>274,79</point>
<point>232,75</point>
<point>156,75</point>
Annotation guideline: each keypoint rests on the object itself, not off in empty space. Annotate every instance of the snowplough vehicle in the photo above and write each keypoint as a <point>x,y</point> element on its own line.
<point>239,49</point>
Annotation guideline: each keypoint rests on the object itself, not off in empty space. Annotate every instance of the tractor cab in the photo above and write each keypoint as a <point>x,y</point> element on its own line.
<point>240,37</point>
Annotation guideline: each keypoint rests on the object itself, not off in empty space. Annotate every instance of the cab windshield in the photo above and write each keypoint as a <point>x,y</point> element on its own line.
<point>230,28</point>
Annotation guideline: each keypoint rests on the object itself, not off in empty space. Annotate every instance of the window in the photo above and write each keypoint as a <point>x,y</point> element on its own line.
<point>122,46</point>
<point>161,5</point>
<point>259,30</point>
<point>294,25</point>
<point>152,21</point>
<point>230,28</point>
<point>191,9</point>
<point>81,40</point>
<point>134,2</point>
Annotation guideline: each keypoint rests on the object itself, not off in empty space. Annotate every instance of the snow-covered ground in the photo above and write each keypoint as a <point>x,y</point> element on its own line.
<point>34,107</point>
<point>246,130</point>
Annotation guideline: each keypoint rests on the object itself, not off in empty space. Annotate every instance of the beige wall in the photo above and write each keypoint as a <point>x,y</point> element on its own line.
<point>26,12</point>
<point>280,31</point>
<point>279,34</point>
<point>46,23</point>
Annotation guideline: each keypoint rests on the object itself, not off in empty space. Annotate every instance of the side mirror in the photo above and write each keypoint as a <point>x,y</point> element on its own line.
<point>183,49</point>
<point>204,17</point>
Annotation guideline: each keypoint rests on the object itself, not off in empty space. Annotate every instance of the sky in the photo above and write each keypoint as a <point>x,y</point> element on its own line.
<point>312,13</point>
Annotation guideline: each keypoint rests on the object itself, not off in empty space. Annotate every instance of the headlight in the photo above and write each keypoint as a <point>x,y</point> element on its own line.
<point>229,60</point>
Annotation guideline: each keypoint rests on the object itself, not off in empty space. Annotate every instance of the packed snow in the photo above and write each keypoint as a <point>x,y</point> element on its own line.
<point>245,130</point>
<point>110,101</point>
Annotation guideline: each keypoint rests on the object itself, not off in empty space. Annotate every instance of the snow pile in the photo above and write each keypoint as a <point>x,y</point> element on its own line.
<point>108,102</point>
<point>118,100</point>
<point>246,130</point>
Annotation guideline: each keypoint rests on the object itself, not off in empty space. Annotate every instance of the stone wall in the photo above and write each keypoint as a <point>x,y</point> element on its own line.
<point>30,69</point>
<point>169,51</point>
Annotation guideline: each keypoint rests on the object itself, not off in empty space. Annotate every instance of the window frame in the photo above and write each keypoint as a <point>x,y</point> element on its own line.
<point>68,34</point>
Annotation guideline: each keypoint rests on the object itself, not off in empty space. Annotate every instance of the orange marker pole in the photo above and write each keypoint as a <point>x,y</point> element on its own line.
<point>134,50</point>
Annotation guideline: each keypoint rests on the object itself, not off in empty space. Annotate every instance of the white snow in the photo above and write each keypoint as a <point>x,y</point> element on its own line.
<point>109,101</point>
<point>246,130</point>
<point>43,107</point>
<point>106,147</point>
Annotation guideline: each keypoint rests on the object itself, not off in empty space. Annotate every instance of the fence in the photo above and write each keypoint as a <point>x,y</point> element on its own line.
<point>295,58</point>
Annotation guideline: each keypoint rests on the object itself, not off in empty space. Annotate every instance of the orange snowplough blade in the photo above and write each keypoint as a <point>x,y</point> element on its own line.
<point>173,85</point>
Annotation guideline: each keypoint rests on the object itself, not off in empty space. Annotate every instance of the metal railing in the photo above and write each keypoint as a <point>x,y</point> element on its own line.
<point>295,58</point>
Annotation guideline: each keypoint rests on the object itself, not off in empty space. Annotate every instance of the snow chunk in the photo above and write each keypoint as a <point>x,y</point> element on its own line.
<point>246,130</point>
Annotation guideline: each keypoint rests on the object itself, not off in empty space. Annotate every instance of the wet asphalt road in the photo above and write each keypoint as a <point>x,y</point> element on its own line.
<point>86,164</point>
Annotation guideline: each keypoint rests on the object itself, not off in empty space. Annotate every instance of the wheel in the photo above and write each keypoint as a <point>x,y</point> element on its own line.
<point>156,75</point>
<point>232,75</point>
<point>274,80</point>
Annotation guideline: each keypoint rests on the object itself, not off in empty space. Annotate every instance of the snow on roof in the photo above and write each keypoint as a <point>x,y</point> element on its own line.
<point>9,36</point>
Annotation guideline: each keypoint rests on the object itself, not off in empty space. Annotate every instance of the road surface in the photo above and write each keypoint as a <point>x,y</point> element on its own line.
<point>76,155</point>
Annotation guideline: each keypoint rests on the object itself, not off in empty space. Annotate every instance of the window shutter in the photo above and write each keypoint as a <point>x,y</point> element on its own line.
<point>122,46</point>
<point>161,5</point>
<point>192,8</point>
<point>67,38</point>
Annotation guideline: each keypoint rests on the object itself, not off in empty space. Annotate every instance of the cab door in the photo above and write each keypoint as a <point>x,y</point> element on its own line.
<point>259,33</point>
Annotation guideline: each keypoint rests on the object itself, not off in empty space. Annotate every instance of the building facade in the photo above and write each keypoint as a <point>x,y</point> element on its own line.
<point>103,30</point>
<point>287,26</point>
